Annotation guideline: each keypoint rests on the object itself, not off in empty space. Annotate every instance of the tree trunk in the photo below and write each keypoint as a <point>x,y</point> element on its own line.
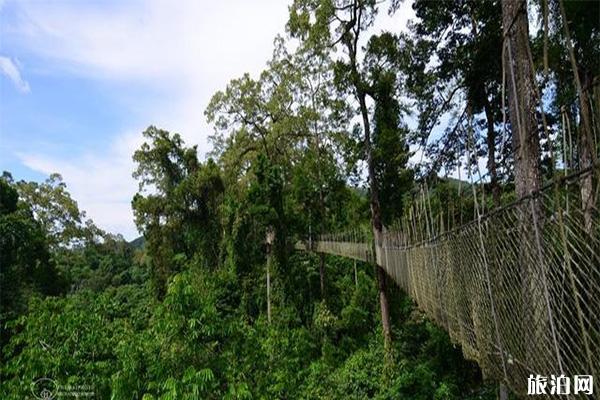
<point>521,99</point>
<point>502,392</point>
<point>529,271</point>
<point>385,310</point>
<point>351,42</point>
<point>491,144</point>
<point>376,222</point>
<point>322,274</point>
<point>596,107</point>
<point>586,143</point>
<point>270,239</point>
<point>269,287</point>
<point>491,134</point>
<point>587,159</point>
<point>322,210</point>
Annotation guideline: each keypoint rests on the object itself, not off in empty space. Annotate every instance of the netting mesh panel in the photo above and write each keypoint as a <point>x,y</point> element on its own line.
<point>518,288</point>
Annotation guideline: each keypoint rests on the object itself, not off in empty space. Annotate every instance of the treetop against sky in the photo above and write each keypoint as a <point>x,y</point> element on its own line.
<point>94,86</point>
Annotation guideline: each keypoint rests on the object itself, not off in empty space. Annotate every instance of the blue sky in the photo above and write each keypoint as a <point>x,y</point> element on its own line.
<point>80,81</point>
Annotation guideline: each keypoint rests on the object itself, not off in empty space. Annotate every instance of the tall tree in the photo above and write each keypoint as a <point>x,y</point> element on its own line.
<point>579,48</point>
<point>330,24</point>
<point>177,207</point>
<point>457,45</point>
<point>290,116</point>
<point>25,258</point>
<point>384,59</point>
<point>325,117</point>
<point>522,102</point>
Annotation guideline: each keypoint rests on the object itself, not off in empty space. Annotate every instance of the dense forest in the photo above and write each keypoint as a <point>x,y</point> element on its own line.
<point>343,131</point>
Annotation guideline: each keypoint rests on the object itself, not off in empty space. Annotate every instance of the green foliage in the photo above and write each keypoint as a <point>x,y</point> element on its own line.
<point>456,48</point>
<point>8,197</point>
<point>390,146</point>
<point>72,340</point>
<point>25,260</point>
<point>198,343</point>
<point>99,265</point>
<point>57,212</point>
<point>178,206</point>
<point>181,313</point>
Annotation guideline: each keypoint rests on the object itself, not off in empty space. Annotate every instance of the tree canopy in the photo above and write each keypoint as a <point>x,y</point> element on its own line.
<point>349,129</point>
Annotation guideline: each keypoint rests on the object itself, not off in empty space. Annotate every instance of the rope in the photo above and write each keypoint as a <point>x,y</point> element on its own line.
<point>469,280</point>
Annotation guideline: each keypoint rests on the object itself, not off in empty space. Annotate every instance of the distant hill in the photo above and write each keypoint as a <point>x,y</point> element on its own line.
<point>138,243</point>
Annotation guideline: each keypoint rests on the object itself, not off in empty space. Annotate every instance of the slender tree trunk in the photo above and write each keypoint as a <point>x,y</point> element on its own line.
<point>502,392</point>
<point>596,107</point>
<point>270,239</point>
<point>587,158</point>
<point>351,42</point>
<point>385,310</point>
<point>317,149</point>
<point>322,274</point>
<point>491,144</point>
<point>491,134</point>
<point>376,222</point>
<point>586,143</point>
<point>322,216</point>
<point>269,288</point>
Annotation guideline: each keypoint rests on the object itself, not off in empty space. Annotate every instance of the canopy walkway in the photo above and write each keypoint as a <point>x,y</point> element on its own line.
<point>518,288</point>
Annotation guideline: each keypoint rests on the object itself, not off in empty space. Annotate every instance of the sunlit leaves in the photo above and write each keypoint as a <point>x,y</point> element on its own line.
<point>57,212</point>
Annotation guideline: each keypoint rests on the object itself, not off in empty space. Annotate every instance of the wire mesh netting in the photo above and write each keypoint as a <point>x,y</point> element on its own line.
<point>518,288</point>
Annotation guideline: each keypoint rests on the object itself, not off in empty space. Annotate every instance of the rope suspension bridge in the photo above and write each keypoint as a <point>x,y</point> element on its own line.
<point>518,288</point>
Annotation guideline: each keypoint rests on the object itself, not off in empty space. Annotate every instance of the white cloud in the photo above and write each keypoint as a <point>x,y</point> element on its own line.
<point>101,184</point>
<point>163,43</point>
<point>179,51</point>
<point>9,68</point>
<point>182,51</point>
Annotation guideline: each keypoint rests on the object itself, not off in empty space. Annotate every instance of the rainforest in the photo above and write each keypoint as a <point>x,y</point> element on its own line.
<point>472,131</point>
